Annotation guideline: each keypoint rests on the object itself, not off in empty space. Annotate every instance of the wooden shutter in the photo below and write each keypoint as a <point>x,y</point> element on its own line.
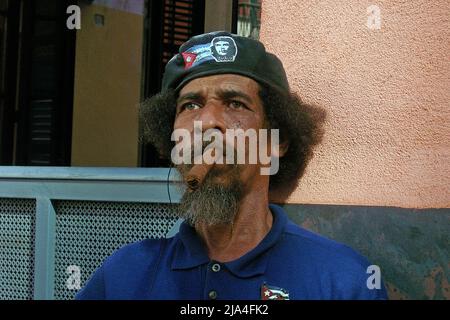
<point>46,85</point>
<point>169,23</point>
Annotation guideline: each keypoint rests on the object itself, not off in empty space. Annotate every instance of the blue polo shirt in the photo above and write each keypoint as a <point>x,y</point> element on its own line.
<point>302,264</point>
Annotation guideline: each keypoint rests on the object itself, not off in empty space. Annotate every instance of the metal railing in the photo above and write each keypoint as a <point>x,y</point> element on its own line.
<point>54,220</point>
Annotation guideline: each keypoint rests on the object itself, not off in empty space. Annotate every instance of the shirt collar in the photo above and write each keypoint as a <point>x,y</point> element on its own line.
<point>190,251</point>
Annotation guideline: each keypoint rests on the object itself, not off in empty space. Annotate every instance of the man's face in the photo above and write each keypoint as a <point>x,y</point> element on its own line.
<point>222,47</point>
<point>220,102</point>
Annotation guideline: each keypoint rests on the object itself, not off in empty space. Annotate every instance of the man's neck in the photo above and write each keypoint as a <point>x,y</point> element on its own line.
<point>231,241</point>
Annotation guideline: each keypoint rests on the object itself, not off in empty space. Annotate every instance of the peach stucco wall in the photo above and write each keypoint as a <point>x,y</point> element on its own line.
<point>387,92</point>
<point>107,86</point>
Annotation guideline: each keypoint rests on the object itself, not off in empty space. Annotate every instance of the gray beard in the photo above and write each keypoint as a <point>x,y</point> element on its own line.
<point>212,203</point>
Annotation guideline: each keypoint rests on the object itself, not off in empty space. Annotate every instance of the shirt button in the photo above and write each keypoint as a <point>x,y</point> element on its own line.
<point>215,267</point>
<point>212,294</point>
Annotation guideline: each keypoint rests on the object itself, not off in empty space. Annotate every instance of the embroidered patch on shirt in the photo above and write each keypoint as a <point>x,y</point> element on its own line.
<point>273,293</point>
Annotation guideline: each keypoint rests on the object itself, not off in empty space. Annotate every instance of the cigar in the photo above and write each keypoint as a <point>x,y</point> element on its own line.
<point>197,174</point>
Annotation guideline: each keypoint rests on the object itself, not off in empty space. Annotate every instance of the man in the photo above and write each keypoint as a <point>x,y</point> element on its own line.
<point>233,243</point>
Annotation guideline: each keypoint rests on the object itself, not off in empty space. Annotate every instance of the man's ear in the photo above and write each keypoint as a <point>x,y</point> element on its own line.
<point>281,150</point>
<point>284,146</point>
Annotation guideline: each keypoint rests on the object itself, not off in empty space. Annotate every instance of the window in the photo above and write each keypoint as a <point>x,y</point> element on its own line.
<point>248,18</point>
<point>36,82</point>
<point>168,25</point>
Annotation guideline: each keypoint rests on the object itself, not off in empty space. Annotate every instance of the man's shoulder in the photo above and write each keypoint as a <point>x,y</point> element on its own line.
<point>122,274</point>
<point>341,271</point>
<point>140,252</point>
<point>322,248</point>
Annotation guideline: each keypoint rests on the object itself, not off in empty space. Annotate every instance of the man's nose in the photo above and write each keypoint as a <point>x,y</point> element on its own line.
<point>212,116</point>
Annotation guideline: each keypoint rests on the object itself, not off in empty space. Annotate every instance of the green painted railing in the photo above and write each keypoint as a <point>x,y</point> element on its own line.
<point>46,214</point>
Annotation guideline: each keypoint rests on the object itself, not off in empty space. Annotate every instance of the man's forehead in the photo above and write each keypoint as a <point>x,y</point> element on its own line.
<point>221,82</point>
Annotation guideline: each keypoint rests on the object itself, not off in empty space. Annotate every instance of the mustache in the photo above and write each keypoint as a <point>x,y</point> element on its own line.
<point>185,168</point>
<point>208,145</point>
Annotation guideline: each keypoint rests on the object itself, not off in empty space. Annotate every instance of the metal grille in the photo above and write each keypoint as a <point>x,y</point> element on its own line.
<point>87,232</point>
<point>17,223</point>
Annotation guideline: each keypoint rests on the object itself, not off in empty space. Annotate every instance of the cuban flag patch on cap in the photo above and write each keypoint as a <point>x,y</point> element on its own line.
<point>273,293</point>
<point>189,59</point>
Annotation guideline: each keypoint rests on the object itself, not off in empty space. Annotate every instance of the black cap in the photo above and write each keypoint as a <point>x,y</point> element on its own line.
<point>220,53</point>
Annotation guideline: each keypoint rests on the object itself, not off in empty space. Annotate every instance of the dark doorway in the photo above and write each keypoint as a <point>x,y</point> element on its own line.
<point>37,100</point>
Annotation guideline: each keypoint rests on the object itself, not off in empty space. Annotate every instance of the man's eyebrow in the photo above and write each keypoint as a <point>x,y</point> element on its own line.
<point>230,93</point>
<point>190,96</point>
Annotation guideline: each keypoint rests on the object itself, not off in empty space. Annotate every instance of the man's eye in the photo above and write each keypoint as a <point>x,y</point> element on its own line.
<point>237,104</point>
<point>190,106</point>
